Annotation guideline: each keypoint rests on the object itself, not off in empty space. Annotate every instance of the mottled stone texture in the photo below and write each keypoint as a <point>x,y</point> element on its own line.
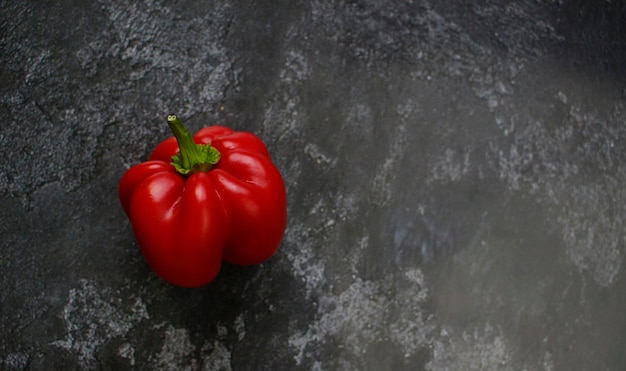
<point>455,172</point>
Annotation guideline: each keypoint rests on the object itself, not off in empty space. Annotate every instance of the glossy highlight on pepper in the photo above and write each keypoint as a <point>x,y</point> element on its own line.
<point>202,199</point>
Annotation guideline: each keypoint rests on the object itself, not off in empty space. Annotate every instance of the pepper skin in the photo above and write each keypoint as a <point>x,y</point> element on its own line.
<point>232,208</point>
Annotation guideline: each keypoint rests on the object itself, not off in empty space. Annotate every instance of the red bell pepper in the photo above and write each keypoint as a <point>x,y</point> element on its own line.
<point>218,197</point>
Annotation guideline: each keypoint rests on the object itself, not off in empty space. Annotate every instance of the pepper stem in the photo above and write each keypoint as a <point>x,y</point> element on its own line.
<point>192,157</point>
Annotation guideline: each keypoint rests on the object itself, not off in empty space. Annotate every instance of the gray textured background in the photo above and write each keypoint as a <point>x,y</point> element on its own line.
<point>455,172</point>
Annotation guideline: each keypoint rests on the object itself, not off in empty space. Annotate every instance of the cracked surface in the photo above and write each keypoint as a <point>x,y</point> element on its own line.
<point>454,170</point>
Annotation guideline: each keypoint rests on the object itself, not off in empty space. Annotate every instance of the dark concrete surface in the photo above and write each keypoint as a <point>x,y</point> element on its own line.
<point>455,173</point>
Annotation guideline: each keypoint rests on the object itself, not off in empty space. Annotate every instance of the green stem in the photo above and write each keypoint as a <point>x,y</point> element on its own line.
<point>192,157</point>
